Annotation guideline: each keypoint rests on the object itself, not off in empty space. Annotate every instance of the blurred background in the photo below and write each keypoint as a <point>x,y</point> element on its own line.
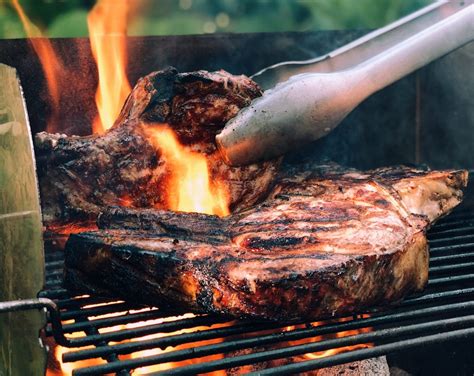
<point>67,18</point>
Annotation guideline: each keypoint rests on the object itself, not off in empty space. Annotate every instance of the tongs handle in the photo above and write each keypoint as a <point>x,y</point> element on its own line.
<point>363,48</point>
<point>419,50</point>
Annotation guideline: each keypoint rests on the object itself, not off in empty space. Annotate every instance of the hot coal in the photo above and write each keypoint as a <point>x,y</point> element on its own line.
<point>326,242</point>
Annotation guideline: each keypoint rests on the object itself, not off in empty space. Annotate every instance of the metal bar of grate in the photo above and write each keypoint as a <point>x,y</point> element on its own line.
<point>397,317</point>
<point>112,321</point>
<point>451,279</point>
<point>454,231</point>
<point>79,301</point>
<point>464,214</point>
<point>55,265</point>
<point>273,338</point>
<point>320,330</point>
<point>200,335</point>
<point>452,225</point>
<point>438,297</point>
<point>166,327</point>
<point>367,353</point>
<point>460,239</point>
<point>53,293</point>
<point>445,259</point>
<point>444,311</point>
<point>452,268</point>
<point>452,250</point>
<point>108,308</point>
<point>290,351</point>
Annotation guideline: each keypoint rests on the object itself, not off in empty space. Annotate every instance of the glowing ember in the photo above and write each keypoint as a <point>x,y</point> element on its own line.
<point>49,61</point>
<point>189,186</point>
<point>107,23</point>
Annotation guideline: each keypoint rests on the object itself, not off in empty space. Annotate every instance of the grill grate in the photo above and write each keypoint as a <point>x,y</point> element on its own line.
<point>123,335</point>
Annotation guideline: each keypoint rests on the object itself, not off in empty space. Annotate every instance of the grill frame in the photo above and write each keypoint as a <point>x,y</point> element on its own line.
<point>444,312</point>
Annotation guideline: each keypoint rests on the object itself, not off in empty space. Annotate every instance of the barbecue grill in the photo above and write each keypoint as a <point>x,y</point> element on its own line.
<point>92,327</point>
<point>443,313</point>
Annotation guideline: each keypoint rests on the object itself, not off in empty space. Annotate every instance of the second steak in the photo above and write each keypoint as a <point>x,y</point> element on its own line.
<point>328,241</point>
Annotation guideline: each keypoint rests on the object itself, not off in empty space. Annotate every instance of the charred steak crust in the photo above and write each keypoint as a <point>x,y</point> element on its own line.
<point>195,104</point>
<point>80,176</point>
<point>326,242</point>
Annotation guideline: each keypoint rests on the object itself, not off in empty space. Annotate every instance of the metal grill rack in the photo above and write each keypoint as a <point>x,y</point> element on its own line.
<point>138,337</point>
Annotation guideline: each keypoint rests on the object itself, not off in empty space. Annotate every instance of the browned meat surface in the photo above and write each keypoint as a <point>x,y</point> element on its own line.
<point>79,176</point>
<point>326,242</point>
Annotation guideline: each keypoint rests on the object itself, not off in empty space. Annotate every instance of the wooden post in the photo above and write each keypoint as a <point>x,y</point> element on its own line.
<point>21,244</point>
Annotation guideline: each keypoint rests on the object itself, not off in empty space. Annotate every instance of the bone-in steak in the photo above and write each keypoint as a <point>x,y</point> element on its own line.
<point>327,241</point>
<point>80,176</point>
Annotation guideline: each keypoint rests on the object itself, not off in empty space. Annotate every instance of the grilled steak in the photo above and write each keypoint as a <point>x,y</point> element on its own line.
<point>80,176</point>
<point>327,241</point>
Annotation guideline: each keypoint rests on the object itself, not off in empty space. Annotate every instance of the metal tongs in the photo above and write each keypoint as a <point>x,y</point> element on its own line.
<point>312,97</point>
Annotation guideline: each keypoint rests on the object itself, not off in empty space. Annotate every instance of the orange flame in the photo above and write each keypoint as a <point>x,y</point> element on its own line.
<point>189,186</point>
<point>50,63</point>
<point>157,351</point>
<point>67,368</point>
<point>107,23</point>
<point>325,353</point>
<point>329,352</point>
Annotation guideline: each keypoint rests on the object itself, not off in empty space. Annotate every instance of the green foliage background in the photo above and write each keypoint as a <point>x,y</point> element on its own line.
<point>67,18</point>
